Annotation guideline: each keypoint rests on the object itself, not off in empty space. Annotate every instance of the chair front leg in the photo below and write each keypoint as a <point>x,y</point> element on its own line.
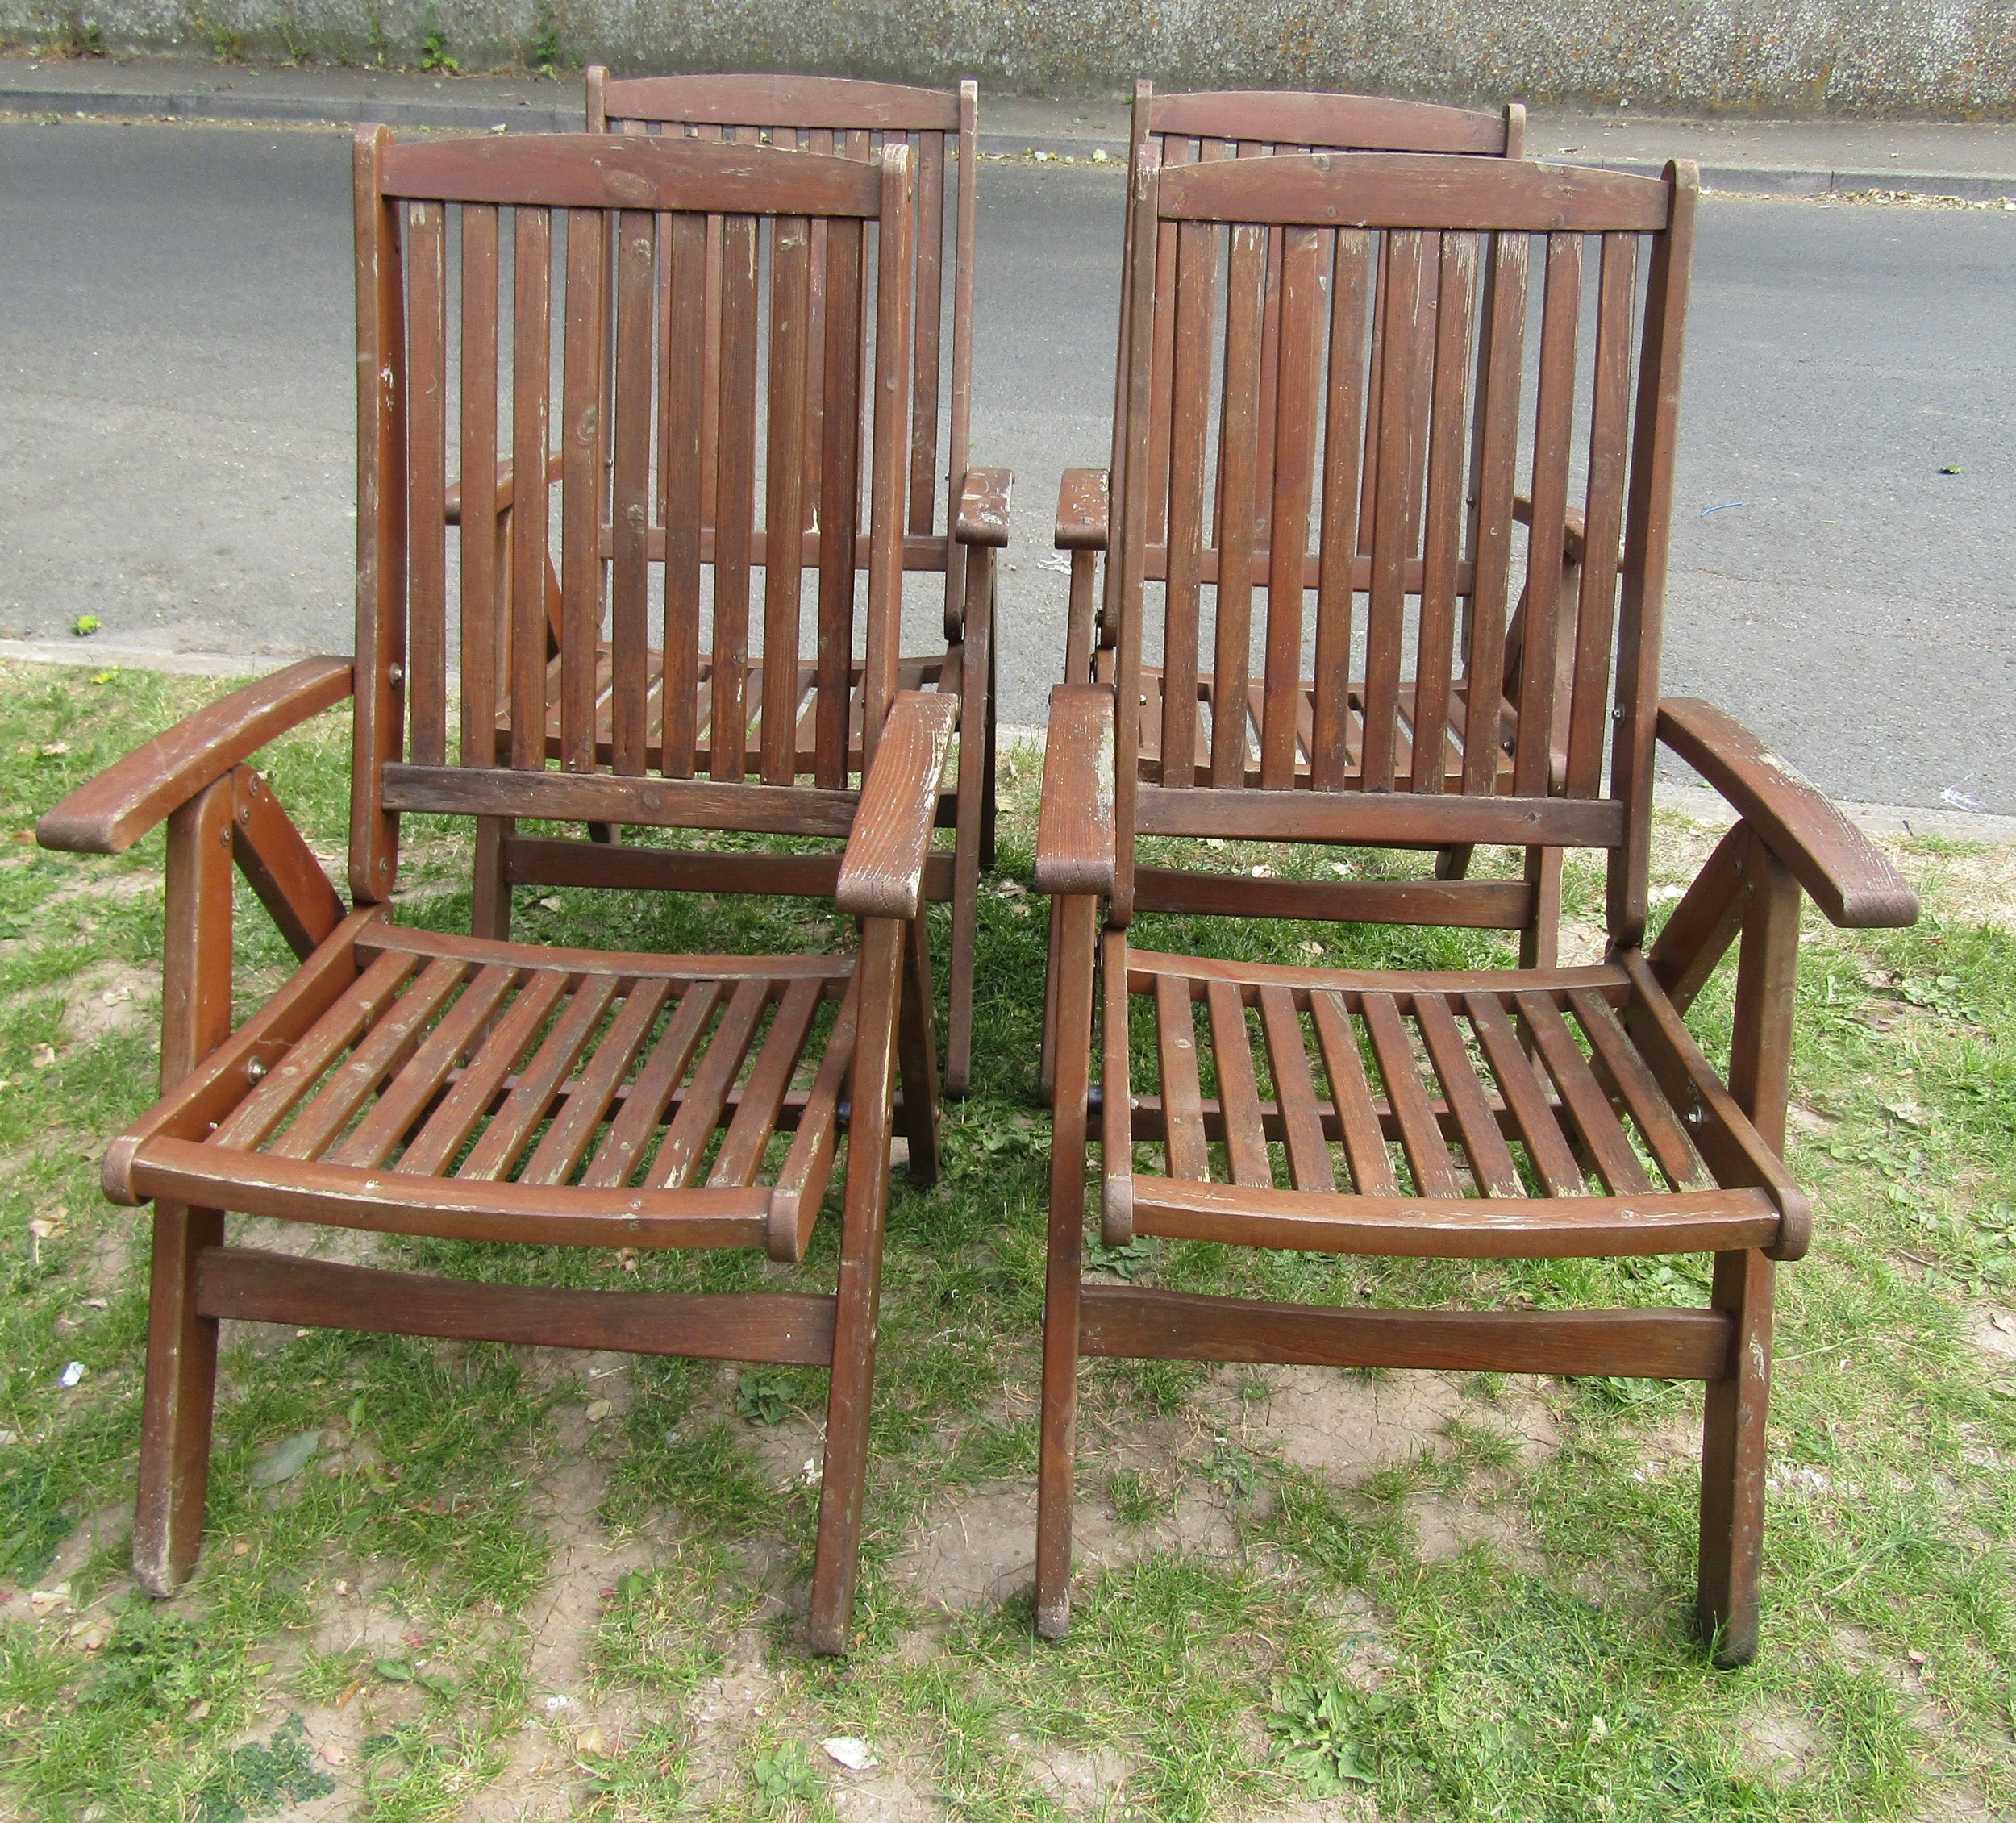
<point>917,1052</point>
<point>843,1482</point>
<point>1077,921</point>
<point>182,1343</point>
<point>1734,1458</point>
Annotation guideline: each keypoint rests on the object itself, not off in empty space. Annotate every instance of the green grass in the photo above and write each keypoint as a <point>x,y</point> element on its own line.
<point>1491,1620</point>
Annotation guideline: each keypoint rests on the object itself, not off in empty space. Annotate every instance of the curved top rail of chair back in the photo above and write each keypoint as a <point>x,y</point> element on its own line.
<point>814,102</point>
<point>1368,189</point>
<point>1344,121</point>
<point>622,171</point>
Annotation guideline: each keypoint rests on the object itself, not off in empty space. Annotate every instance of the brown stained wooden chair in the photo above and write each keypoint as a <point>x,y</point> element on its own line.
<point>412,1082</point>
<point>849,119</point>
<point>1203,127</point>
<point>1525,1113</point>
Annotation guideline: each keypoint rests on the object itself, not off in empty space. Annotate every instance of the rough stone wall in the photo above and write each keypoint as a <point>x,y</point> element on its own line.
<point>1943,57</point>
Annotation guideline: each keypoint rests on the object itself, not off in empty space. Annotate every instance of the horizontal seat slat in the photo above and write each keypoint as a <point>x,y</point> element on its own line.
<point>451,1209</point>
<point>1450,1228</point>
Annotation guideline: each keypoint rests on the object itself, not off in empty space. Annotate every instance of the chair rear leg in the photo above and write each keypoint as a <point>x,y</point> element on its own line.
<point>1733,1463</point>
<point>843,1481</point>
<point>1540,942</point>
<point>972,844</point>
<point>988,785</point>
<point>181,1383</point>
<point>1056,1461</point>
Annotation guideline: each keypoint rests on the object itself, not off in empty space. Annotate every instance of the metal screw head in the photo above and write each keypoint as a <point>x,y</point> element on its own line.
<point>397,673</point>
<point>254,1070</point>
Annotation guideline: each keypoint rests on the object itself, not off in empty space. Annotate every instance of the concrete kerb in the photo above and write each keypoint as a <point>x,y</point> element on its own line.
<point>449,114</point>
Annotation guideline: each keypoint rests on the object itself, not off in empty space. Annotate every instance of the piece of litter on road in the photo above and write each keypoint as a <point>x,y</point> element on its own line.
<point>1959,799</point>
<point>1946,468</point>
<point>555,1705</point>
<point>1059,562</point>
<point>1663,893</point>
<point>72,1374</point>
<point>855,1755</point>
<point>1725,506</point>
<point>598,1410</point>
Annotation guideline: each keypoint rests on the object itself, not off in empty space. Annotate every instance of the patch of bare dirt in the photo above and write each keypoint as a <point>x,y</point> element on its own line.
<point>1447,1525</point>
<point>885,1794</point>
<point>1992,1329</point>
<point>1080,1781</point>
<point>1347,1425</point>
<point>1776,1744</point>
<point>110,997</point>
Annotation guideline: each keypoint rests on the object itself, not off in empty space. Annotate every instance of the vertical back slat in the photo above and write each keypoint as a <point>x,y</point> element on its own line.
<point>1168,278</point>
<point>1388,439</point>
<point>1344,447</point>
<point>1297,365</point>
<point>1238,464</point>
<point>1496,410</point>
<point>1554,416</point>
<point>1189,337</point>
<point>581,472</point>
<point>1443,524</point>
<point>928,152</point>
<point>840,496</point>
<point>427,481</point>
<point>790,308</point>
<point>630,501</point>
<point>683,362</point>
<point>735,497</point>
<point>477,543</point>
<point>1603,514</point>
<point>895,250</point>
<point>531,335</point>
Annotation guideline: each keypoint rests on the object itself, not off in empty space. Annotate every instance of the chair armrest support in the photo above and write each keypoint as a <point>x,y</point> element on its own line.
<point>1083,506</point>
<point>451,501</point>
<point>882,871</point>
<point>1076,836</point>
<point>1573,541</point>
<point>1838,866</point>
<point>983,507</point>
<point>109,813</point>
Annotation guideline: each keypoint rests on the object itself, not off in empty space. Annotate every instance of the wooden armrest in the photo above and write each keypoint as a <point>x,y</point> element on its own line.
<point>983,507</point>
<point>1838,866</point>
<point>451,501</point>
<point>882,871</point>
<point>108,814</point>
<point>1077,841</point>
<point>1573,541</point>
<point>1082,505</point>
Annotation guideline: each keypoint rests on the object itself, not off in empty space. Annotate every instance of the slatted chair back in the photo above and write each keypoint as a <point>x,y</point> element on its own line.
<point>1203,126</point>
<point>1408,591</point>
<point>518,293</point>
<point>846,118</point>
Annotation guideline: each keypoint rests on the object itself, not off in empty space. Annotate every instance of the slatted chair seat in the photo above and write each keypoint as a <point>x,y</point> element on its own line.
<point>1562,1111</point>
<point>415,1081</point>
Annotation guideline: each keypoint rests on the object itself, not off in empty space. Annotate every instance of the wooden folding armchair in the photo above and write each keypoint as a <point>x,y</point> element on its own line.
<point>1525,1113</point>
<point>412,1082</point>
<point>854,120</point>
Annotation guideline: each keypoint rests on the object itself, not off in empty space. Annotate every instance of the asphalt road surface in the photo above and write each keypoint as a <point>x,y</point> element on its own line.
<point>177,456</point>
